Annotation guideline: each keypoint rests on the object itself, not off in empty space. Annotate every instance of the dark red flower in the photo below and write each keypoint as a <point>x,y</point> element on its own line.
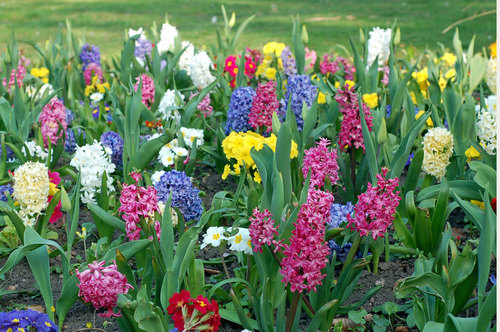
<point>178,300</point>
<point>494,204</point>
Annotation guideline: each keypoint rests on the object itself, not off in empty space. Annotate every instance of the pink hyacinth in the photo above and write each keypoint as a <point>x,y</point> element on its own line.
<point>264,104</point>
<point>53,114</point>
<point>329,66</point>
<point>92,69</point>
<point>307,253</point>
<point>350,129</point>
<point>385,78</point>
<point>311,57</point>
<point>262,230</point>
<point>375,209</point>
<point>18,74</point>
<point>322,162</point>
<point>101,285</point>
<point>204,105</point>
<point>148,89</point>
<point>138,203</point>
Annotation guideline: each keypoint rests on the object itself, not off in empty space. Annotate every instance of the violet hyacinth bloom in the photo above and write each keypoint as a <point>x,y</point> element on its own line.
<point>301,90</point>
<point>90,54</point>
<point>351,133</point>
<point>339,214</point>
<point>307,253</point>
<point>322,162</point>
<point>375,209</point>
<point>289,63</point>
<point>341,252</point>
<point>70,144</point>
<point>10,153</point>
<point>239,110</point>
<point>264,104</point>
<point>100,285</point>
<point>5,190</point>
<point>143,47</point>
<point>115,142</point>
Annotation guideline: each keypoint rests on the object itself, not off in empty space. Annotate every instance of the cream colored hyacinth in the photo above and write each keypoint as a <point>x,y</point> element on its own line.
<point>486,128</point>
<point>491,75</point>
<point>31,189</point>
<point>438,148</point>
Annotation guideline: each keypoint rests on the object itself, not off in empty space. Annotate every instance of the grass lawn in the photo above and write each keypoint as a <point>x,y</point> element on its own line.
<point>329,22</point>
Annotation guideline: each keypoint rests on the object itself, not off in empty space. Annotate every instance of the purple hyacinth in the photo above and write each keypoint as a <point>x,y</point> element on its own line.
<point>70,144</point>
<point>90,54</point>
<point>115,142</point>
<point>410,158</point>
<point>388,109</point>
<point>302,90</point>
<point>289,63</point>
<point>239,109</point>
<point>10,153</point>
<point>70,116</point>
<point>339,214</point>
<point>5,190</point>
<point>341,252</point>
<point>143,47</point>
<point>185,196</point>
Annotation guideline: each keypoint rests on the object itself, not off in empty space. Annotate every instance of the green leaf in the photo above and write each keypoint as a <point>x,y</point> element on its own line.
<point>128,250</point>
<point>146,318</point>
<point>38,260</point>
<point>485,176</point>
<point>107,218</point>
<point>149,150</point>
<point>369,145</point>
<point>69,295</point>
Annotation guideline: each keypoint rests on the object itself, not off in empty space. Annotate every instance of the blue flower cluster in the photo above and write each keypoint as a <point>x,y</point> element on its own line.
<point>70,144</point>
<point>302,90</point>
<point>143,47</point>
<point>493,279</point>
<point>289,63</point>
<point>90,54</point>
<point>339,214</point>
<point>185,196</point>
<point>70,116</point>
<point>22,320</point>
<point>115,142</point>
<point>240,106</point>
<point>341,252</point>
<point>6,188</point>
<point>10,153</point>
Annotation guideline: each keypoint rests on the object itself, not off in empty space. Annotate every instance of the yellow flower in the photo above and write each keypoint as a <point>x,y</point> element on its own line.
<point>429,120</point>
<point>472,153</point>
<point>273,47</point>
<point>52,189</point>
<point>337,84</point>
<point>442,83</point>
<point>52,309</point>
<point>449,58</point>
<point>477,203</point>
<point>350,83</point>
<point>493,49</point>
<point>321,98</point>
<point>450,73</point>
<point>421,78</point>
<point>42,73</point>
<point>89,325</point>
<point>270,73</point>
<point>371,99</point>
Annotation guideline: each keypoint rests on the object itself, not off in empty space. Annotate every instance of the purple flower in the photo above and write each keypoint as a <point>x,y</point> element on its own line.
<point>341,252</point>
<point>143,47</point>
<point>20,321</point>
<point>69,116</point>
<point>5,190</point>
<point>90,54</point>
<point>10,153</point>
<point>339,214</point>
<point>95,112</point>
<point>240,106</point>
<point>493,279</point>
<point>185,196</point>
<point>301,90</point>
<point>115,142</point>
<point>70,144</point>
<point>289,63</point>
<point>410,158</point>
<point>388,109</point>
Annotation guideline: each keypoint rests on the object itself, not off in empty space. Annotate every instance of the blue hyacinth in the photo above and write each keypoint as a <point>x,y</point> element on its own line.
<point>185,196</point>
<point>493,279</point>
<point>302,90</point>
<point>5,190</point>
<point>115,142</point>
<point>388,109</point>
<point>70,144</point>
<point>70,116</point>
<point>341,252</point>
<point>239,109</point>
<point>90,54</point>
<point>339,214</point>
<point>410,158</point>
<point>10,153</point>
<point>143,47</point>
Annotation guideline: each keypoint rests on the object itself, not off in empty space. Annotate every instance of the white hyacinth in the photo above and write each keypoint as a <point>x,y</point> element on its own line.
<point>491,75</point>
<point>35,151</point>
<point>190,134</point>
<point>167,38</point>
<point>186,56</point>
<point>486,125</point>
<point>171,98</point>
<point>92,161</point>
<point>379,45</point>
<point>199,69</point>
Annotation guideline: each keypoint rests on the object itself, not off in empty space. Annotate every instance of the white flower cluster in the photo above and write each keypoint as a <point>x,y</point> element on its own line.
<point>186,56</point>
<point>170,152</point>
<point>438,148</point>
<point>173,214</point>
<point>35,151</point>
<point>31,189</point>
<point>140,31</point>
<point>190,134</point>
<point>239,242</point>
<point>171,98</point>
<point>199,70</point>
<point>491,75</point>
<point>33,92</point>
<point>92,161</point>
<point>379,44</point>
<point>487,124</point>
<point>167,38</point>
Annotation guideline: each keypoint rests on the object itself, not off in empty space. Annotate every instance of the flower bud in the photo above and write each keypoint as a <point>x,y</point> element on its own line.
<point>232,21</point>
<point>382,133</point>
<point>305,36</point>
<point>276,124</point>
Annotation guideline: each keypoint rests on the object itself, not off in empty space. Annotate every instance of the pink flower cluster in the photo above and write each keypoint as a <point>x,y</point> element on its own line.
<point>204,106</point>
<point>350,129</point>
<point>101,285</point>
<point>322,162</point>
<point>18,74</point>
<point>57,214</point>
<point>328,66</point>
<point>264,104</point>
<point>93,69</point>
<point>307,253</point>
<point>262,230</point>
<point>53,114</point>
<point>148,89</point>
<point>137,203</point>
<point>385,78</point>
<point>375,209</point>
<point>311,57</point>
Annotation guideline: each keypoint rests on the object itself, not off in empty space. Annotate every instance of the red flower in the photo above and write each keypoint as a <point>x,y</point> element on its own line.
<point>494,204</point>
<point>201,304</point>
<point>178,300</point>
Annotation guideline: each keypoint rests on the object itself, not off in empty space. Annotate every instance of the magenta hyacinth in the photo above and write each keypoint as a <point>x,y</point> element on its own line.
<point>307,253</point>
<point>204,105</point>
<point>18,74</point>
<point>328,66</point>
<point>264,104</point>
<point>322,162</point>
<point>375,209</point>
<point>148,89</point>
<point>350,129</point>
<point>101,285</point>
<point>137,203</point>
<point>93,69</point>
<point>262,230</point>
<point>53,114</point>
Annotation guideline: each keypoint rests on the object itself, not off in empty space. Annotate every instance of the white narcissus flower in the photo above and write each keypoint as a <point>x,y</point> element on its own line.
<point>438,148</point>
<point>379,44</point>
<point>241,241</point>
<point>190,134</point>
<point>213,237</point>
<point>167,38</point>
<point>199,69</point>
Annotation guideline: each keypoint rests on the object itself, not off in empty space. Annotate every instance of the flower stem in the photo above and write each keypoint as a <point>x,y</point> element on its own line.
<point>292,311</point>
<point>353,166</point>
<point>352,252</point>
